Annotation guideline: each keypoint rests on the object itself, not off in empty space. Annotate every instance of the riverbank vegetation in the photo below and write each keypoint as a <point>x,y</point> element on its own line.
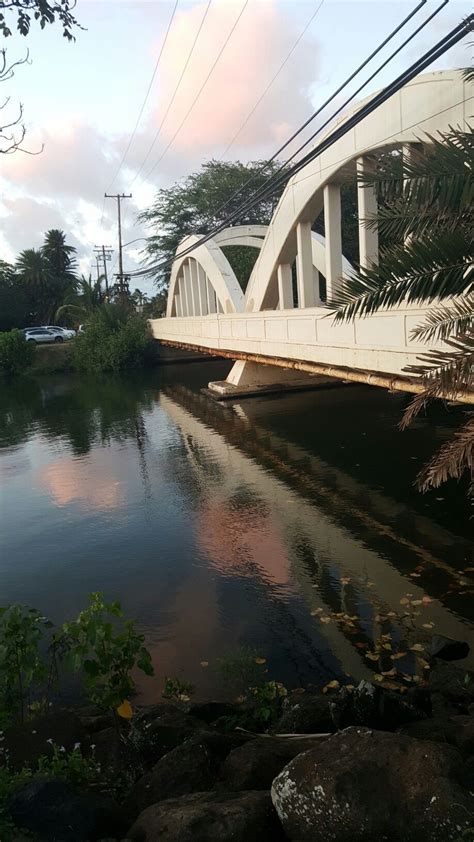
<point>110,768</point>
<point>427,214</point>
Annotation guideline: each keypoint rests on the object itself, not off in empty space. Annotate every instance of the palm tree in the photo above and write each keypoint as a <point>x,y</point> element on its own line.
<point>427,216</point>
<point>139,298</point>
<point>30,267</point>
<point>59,257</point>
<point>84,301</point>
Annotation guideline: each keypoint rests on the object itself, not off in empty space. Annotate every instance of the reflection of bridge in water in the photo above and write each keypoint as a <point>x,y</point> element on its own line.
<point>282,320</point>
<point>331,539</point>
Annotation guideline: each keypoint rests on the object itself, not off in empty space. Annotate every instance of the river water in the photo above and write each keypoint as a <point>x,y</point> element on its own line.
<point>288,524</point>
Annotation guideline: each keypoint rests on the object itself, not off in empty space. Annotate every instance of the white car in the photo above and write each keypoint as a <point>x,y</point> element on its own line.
<point>41,334</point>
<point>66,332</point>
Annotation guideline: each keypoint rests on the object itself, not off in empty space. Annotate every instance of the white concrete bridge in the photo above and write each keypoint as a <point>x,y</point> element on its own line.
<point>279,324</point>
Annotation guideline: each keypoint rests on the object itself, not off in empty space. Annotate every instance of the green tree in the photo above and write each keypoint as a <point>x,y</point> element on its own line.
<point>14,303</point>
<point>42,11</point>
<point>116,339</point>
<point>81,303</point>
<point>427,217</point>
<point>48,275</point>
<point>194,206</point>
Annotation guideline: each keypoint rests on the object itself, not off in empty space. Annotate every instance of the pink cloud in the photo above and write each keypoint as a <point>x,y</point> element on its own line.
<point>262,39</point>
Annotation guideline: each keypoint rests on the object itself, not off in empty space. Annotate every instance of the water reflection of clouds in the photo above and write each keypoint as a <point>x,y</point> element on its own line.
<point>93,482</point>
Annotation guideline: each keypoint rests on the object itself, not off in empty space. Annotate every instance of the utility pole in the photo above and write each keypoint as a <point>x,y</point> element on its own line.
<point>122,284</point>
<point>103,253</point>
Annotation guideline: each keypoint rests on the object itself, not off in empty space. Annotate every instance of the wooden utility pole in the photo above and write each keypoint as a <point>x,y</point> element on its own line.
<point>120,276</point>
<point>104,253</point>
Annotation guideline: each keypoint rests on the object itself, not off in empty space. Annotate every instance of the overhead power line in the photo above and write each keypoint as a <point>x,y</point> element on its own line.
<point>173,97</point>
<point>147,94</point>
<point>196,98</point>
<point>441,47</point>
<point>324,105</point>
<point>272,80</point>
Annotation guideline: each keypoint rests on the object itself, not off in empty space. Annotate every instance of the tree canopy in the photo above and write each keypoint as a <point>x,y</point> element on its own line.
<point>43,11</point>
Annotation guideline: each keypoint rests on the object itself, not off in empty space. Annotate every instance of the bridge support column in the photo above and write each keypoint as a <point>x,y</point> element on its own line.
<point>182,296</point>
<point>367,206</point>
<point>332,226</point>
<point>193,273</point>
<point>285,286</point>
<point>211,298</point>
<point>304,266</point>
<point>202,290</point>
<point>247,379</point>
<point>177,304</point>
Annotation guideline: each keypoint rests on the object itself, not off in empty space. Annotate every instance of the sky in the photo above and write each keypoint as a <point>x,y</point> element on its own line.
<point>101,105</point>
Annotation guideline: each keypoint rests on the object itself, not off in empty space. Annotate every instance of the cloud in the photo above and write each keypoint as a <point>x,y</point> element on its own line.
<point>262,39</point>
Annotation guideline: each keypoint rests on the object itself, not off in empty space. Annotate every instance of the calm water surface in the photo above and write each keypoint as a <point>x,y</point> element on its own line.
<point>289,524</point>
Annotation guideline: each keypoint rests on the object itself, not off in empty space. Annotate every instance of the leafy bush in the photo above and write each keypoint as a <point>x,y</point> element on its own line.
<point>107,652</point>
<point>115,339</point>
<point>16,354</point>
<point>179,691</point>
<point>22,668</point>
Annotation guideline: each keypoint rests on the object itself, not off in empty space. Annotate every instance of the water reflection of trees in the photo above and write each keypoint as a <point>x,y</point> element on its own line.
<point>83,411</point>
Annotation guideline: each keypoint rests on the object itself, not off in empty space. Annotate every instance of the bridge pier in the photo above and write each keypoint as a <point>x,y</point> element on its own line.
<point>248,379</point>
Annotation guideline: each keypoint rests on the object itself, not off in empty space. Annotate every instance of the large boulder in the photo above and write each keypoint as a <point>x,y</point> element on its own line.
<point>25,744</point>
<point>255,764</point>
<point>53,810</point>
<point>160,728</point>
<point>451,688</point>
<point>224,817</point>
<point>306,714</point>
<point>365,786</point>
<point>374,707</point>
<point>191,767</point>
<point>448,649</point>
<point>457,731</point>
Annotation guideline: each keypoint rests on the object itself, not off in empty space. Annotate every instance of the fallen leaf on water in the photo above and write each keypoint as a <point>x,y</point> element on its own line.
<point>125,710</point>
<point>361,645</point>
<point>204,663</point>
<point>426,600</point>
<point>377,677</point>
<point>428,625</point>
<point>260,661</point>
<point>387,646</point>
<point>417,647</point>
<point>415,575</point>
<point>398,655</point>
<point>390,685</point>
<point>350,687</point>
<point>371,656</point>
<point>391,614</point>
<point>389,672</point>
<point>404,601</point>
<point>344,580</point>
<point>332,685</point>
<point>417,602</point>
<point>317,611</point>
<point>370,584</point>
<point>423,663</point>
<point>325,619</point>
<point>468,570</point>
<point>298,691</point>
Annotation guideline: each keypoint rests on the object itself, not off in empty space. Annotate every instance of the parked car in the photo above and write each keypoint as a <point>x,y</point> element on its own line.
<point>67,332</point>
<point>41,334</point>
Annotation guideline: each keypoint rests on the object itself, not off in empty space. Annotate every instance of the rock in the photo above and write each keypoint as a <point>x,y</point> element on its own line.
<point>454,730</point>
<point>55,811</point>
<point>158,729</point>
<point>25,744</point>
<point>224,817</point>
<point>212,711</point>
<point>255,764</point>
<point>306,714</point>
<point>451,688</point>
<point>191,767</point>
<point>374,707</point>
<point>365,786</point>
<point>116,754</point>
<point>448,649</point>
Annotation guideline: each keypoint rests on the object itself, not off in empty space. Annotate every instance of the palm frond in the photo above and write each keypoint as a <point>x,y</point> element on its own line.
<point>447,320</point>
<point>442,173</point>
<point>445,374</point>
<point>450,462</point>
<point>436,266</point>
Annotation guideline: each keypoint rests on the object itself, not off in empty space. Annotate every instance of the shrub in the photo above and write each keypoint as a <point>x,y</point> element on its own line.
<point>114,340</point>
<point>16,354</point>
<point>22,668</point>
